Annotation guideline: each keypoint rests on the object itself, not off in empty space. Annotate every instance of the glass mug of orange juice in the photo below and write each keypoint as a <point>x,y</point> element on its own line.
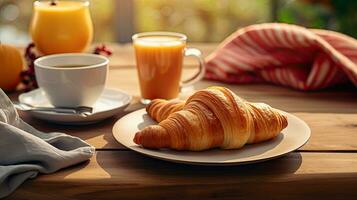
<point>61,26</point>
<point>159,59</point>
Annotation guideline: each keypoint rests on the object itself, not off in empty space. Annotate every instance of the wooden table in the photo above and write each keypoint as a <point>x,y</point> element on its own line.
<point>325,167</point>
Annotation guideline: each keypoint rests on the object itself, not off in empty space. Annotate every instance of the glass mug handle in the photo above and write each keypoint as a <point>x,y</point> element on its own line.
<point>201,71</point>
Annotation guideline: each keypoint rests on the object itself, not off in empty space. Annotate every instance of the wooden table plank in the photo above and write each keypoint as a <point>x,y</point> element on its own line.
<point>339,101</point>
<point>128,175</point>
<point>330,131</point>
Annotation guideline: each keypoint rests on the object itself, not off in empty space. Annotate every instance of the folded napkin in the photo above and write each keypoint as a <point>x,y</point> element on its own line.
<point>289,55</point>
<point>25,151</point>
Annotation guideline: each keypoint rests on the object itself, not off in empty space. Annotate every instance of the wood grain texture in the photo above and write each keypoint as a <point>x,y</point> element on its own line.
<point>330,131</point>
<point>127,175</point>
<point>331,101</point>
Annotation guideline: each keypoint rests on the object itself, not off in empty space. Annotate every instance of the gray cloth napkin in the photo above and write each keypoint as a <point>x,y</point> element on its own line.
<point>25,151</point>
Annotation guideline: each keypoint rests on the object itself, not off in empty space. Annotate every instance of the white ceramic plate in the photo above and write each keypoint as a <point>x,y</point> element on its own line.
<point>111,102</point>
<point>293,137</point>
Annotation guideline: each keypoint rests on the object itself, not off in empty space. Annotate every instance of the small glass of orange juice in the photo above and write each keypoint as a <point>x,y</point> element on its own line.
<point>61,26</point>
<point>159,59</point>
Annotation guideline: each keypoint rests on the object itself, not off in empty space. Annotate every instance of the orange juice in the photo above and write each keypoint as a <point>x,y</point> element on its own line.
<point>159,63</point>
<point>62,28</point>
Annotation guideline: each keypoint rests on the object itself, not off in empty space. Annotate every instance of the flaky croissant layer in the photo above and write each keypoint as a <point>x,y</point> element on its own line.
<point>210,118</point>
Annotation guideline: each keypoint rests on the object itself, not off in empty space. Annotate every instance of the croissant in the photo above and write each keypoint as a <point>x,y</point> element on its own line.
<point>211,118</point>
<point>160,109</point>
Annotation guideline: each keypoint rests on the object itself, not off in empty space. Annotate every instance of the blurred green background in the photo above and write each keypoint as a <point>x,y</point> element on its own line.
<point>201,20</point>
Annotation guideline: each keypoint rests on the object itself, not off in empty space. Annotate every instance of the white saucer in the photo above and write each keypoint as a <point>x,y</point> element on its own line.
<point>111,102</point>
<point>291,138</point>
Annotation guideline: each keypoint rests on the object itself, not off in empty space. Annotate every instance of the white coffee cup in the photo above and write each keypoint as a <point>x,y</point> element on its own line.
<point>72,79</point>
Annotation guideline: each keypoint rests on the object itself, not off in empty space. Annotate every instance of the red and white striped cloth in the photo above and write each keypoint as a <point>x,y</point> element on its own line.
<point>289,55</point>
